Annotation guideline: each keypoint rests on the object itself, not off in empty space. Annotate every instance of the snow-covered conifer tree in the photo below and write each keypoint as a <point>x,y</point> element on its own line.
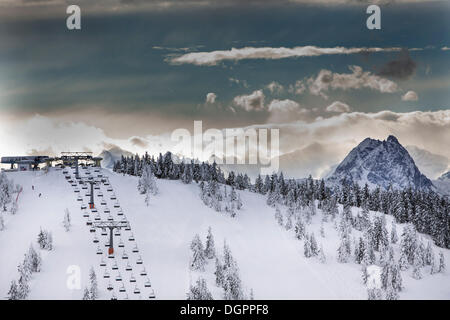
<point>198,259</point>
<point>199,291</point>
<point>210,250</point>
<point>93,284</point>
<point>66,221</point>
<point>441,268</point>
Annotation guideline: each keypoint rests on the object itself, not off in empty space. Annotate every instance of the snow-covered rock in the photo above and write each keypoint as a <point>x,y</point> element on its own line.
<point>381,163</point>
<point>112,155</point>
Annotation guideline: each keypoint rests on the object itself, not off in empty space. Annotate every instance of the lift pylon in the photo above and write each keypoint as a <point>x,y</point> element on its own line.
<point>111,225</point>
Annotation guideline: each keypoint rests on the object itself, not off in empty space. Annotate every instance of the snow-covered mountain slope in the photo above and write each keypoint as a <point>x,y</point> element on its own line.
<point>270,259</point>
<point>430,164</point>
<point>112,155</point>
<point>443,183</point>
<point>380,163</point>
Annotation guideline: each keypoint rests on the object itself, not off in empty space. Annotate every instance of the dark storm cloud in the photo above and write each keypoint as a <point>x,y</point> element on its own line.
<point>402,67</point>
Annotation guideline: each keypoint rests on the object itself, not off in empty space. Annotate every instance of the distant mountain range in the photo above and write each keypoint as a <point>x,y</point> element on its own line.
<point>380,163</point>
<point>375,162</point>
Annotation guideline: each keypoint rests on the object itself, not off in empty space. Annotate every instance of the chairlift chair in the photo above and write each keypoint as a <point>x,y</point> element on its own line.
<point>79,198</point>
<point>132,278</point>
<point>148,283</point>
<point>109,189</point>
<point>115,266</point>
<point>117,233</point>
<point>103,203</point>
<point>136,290</point>
<point>104,232</point>
<point>122,288</point>
<point>89,221</point>
<point>119,277</point>
<point>95,240</point>
<point>121,244</point>
<point>110,287</point>
<point>85,214</point>
<point>131,238</point>
<point>102,263</point>
<point>113,197</point>
<point>116,205</point>
<point>152,294</point>
<point>135,249</point>
<point>77,190</point>
<point>128,267</point>
<point>106,210</point>
<point>94,210</point>
<point>139,260</point>
<point>99,250</point>
<point>143,272</point>
<point>124,256</point>
<point>97,217</point>
<point>120,212</point>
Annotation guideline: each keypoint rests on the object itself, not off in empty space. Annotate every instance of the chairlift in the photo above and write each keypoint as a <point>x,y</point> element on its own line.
<point>116,205</point>
<point>122,288</point>
<point>94,210</point>
<point>121,244</point>
<point>77,190</point>
<point>148,283</point>
<point>120,212</point>
<point>132,278</point>
<point>152,294</point>
<point>139,260</point>
<point>110,287</point>
<point>104,232</point>
<point>74,184</point>
<point>128,267</point>
<point>100,194</point>
<point>119,277</point>
<point>106,244</point>
<point>109,189</point>
<point>99,250</point>
<point>102,263</point>
<point>97,217</point>
<point>85,214</point>
<point>136,290</point>
<point>79,198</point>
<point>89,221</point>
<point>117,233</point>
<point>115,266</point>
<point>95,239</point>
<point>113,197</point>
<point>113,297</point>
<point>97,187</point>
<point>143,272</point>
<point>135,249</point>
<point>84,187</point>
<point>124,256</point>
<point>131,238</point>
<point>106,210</point>
<point>92,230</point>
<point>127,228</point>
<point>103,203</point>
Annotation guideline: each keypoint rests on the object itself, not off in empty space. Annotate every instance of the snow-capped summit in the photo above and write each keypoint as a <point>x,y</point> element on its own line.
<point>445,176</point>
<point>381,163</point>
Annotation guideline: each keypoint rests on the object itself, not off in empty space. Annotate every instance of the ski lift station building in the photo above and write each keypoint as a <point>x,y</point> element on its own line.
<point>24,163</point>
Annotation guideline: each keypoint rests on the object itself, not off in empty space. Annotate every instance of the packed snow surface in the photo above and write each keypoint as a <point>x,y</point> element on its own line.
<point>270,259</point>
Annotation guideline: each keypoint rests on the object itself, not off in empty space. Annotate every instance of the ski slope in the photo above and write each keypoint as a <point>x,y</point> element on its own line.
<point>270,259</point>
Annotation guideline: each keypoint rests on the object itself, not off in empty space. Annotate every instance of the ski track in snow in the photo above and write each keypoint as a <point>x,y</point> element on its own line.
<point>270,259</point>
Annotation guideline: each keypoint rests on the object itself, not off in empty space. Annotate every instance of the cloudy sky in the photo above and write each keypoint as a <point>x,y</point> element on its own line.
<point>137,70</point>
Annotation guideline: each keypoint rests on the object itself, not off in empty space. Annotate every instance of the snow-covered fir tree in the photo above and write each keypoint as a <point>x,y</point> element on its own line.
<point>198,259</point>
<point>199,291</point>
<point>210,250</point>
<point>67,220</point>
<point>93,289</point>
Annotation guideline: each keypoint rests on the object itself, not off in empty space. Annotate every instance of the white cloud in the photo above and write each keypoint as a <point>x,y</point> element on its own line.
<point>239,82</point>
<point>357,79</point>
<point>251,102</point>
<point>445,48</point>
<point>410,96</point>
<point>275,88</point>
<point>338,107</point>
<point>214,57</point>
<point>297,88</point>
<point>283,105</point>
<point>211,97</point>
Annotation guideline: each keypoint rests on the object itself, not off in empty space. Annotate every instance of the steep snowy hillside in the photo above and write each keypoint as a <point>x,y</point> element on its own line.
<point>430,164</point>
<point>443,183</point>
<point>380,163</point>
<point>271,260</point>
